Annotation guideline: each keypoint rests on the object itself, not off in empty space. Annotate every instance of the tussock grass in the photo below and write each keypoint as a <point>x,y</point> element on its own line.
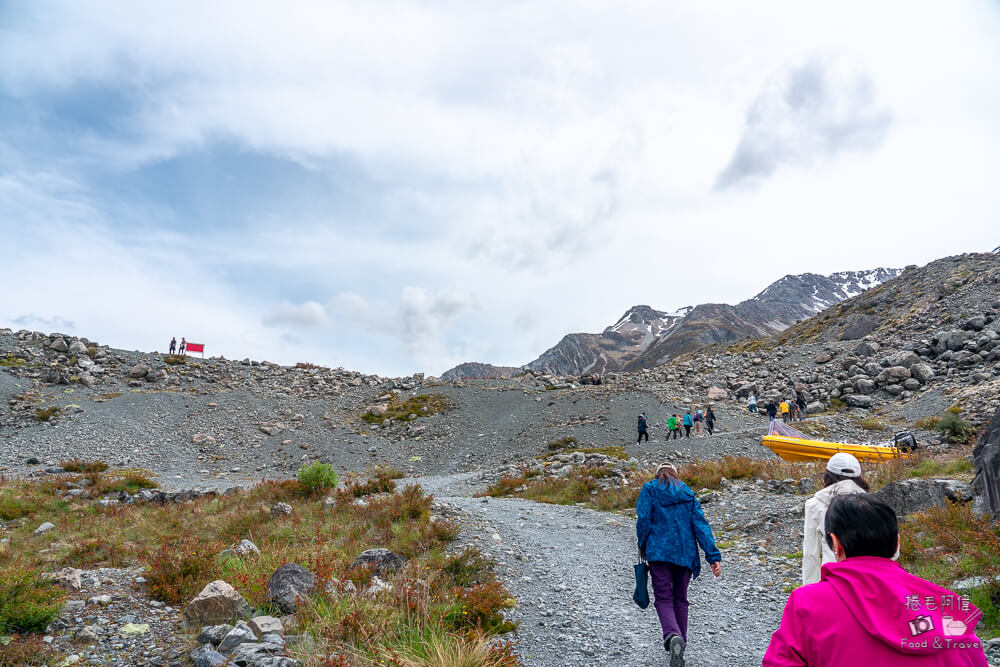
<point>421,405</point>
<point>45,414</point>
<point>453,599</point>
<point>948,543</point>
<point>79,465</point>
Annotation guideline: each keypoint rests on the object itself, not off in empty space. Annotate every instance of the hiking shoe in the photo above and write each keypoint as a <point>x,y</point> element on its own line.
<point>676,649</point>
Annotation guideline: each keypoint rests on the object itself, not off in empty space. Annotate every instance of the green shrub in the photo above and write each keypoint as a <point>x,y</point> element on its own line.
<point>957,429</point>
<point>43,415</point>
<point>927,423</point>
<point>562,443</point>
<point>317,476</point>
<point>871,424</point>
<point>27,602</point>
<point>837,405</point>
<point>175,360</point>
<point>79,465</point>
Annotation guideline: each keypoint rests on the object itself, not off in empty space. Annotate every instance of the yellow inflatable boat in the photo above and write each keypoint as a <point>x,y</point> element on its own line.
<point>792,445</point>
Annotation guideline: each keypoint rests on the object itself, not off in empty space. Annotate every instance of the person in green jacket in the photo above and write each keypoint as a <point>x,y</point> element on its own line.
<point>673,428</point>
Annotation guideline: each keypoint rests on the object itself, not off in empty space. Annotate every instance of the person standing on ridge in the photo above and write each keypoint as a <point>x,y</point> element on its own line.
<point>173,345</point>
<point>842,476</point>
<point>752,403</point>
<point>183,348</point>
<point>698,426</point>
<point>670,527</point>
<point>643,428</point>
<point>784,410</point>
<point>772,410</point>
<point>688,423</point>
<point>673,427</point>
<point>709,420</point>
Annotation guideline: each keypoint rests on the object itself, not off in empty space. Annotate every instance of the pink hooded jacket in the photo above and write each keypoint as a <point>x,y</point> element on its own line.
<point>870,611</point>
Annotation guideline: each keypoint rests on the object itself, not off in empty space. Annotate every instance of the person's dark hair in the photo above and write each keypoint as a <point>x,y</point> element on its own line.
<point>865,525</point>
<point>832,478</point>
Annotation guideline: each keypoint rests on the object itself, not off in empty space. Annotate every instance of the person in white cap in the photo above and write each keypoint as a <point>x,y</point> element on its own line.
<point>842,476</point>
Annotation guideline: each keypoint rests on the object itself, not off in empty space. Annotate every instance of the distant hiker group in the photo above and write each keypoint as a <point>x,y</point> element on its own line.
<point>790,410</point>
<point>692,419</point>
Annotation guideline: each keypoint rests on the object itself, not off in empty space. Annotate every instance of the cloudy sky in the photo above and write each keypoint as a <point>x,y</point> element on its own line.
<point>395,187</point>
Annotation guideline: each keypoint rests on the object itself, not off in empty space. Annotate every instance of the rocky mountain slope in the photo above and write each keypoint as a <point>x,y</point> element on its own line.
<point>474,369</point>
<point>645,337</point>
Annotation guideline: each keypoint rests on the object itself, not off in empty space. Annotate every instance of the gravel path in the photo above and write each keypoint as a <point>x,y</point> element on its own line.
<point>571,570</point>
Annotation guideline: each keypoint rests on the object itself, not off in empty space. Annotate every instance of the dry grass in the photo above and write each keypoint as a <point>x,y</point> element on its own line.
<point>437,594</point>
<point>422,405</point>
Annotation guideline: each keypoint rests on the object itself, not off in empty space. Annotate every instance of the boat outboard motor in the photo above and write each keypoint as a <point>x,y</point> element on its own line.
<point>905,441</point>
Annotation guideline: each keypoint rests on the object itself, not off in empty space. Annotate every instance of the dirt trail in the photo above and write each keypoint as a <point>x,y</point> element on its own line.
<point>571,570</point>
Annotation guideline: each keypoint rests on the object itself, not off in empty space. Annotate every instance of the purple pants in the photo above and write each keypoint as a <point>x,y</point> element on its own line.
<point>670,591</point>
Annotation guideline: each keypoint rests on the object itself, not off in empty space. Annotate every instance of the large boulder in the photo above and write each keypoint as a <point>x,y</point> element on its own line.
<point>922,372</point>
<point>987,459</point>
<point>289,584</point>
<point>858,401</point>
<point>950,340</point>
<point>915,495</point>
<point>218,602</point>
<point>241,634</point>
<point>863,385</point>
<point>77,347</point>
<point>383,560</point>
<point>717,394</point>
<point>904,358</point>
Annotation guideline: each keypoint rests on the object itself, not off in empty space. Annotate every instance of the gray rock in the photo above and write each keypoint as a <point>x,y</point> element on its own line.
<point>76,347</point>
<point>290,583</point>
<point>950,340</point>
<point>856,401</point>
<point>241,634</point>
<point>974,323</point>
<point>280,509</point>
<point>218,602</point>
<point>863,385</point>
<point>59,345</point>
<point>203,656</point>
<point>266,625</point>
<point>138,371</point>
<point>383,560</point>
<point>866,348</point>
<point>44,528</point>
<point>915,495</point>
<point>244,549</point>
<point>904,358</point>
<point>823,358</point>
<point>214,634</point>
<point>922,372</point>
<point>255,655</point>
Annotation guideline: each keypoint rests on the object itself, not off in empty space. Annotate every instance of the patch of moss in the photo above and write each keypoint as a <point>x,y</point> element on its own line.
<point>10,361</point>
<point>45,414</point>
<point>421,405</point>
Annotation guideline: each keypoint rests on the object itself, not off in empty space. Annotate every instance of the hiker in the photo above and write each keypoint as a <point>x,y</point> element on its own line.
<point>842,476</point>
<point>772,410</point>
<point>183,346</point>
<point>867,609</point>
<point>752,403</point>
<point>670,527</point>
<point>801,402</point>
<point>173,345</point>
<point>783,406</point>
<point>643,428</point>
<point>688,423</point>
<point>697,423</point>
<point>709,420</point>
<point>673,427</point>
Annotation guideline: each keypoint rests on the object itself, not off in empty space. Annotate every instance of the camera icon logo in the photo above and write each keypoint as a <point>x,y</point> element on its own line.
<point>920,625</point>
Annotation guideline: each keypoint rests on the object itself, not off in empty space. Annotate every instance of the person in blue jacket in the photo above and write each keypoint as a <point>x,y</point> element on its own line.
<point>688,423</point>
<point>670,527</point>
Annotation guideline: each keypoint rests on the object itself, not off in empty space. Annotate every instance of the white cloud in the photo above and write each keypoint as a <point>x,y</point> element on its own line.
<point>307,315</point>
<point>809,114</point>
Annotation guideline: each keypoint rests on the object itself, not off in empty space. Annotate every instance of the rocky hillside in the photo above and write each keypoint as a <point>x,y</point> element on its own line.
<point>474,369</point>
<point>645,337</point>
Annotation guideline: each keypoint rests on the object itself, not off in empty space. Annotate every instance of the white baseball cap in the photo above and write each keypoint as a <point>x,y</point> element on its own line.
<point>844,464</point>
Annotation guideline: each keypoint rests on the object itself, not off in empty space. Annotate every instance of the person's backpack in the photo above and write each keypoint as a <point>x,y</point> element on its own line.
<point>642,422</point>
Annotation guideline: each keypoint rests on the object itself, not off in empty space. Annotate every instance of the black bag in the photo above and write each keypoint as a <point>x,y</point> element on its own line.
<point>641,594</point>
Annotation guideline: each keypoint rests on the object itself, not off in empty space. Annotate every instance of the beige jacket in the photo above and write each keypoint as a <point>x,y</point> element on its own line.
<point>815,551</point>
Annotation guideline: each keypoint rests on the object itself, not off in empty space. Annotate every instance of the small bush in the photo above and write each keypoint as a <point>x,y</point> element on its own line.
<point>179,570</point>
<point>955,428</point>
<point>468,568</point>
<point>422,405</point>
<point>927,423</point>
<point>871,424</point>
<point>317,476</point>
<point>837,405</point>
<point>79,465</point>
<point>175,360</point>
<point>481,607</point>
<point>955,409</point>
<point>10,361</point>
<point>26,650</point>
<point>27,602</point>
<point>562,443</point>
<point>45,414</point>
<point>130,482</point>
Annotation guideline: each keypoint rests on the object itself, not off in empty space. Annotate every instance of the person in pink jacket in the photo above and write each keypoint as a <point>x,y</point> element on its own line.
<point>868,610</point>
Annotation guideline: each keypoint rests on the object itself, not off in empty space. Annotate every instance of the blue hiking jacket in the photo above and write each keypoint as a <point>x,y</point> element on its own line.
<point>670,526</point>
<point>642,423</point>
<point>688,421</point>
